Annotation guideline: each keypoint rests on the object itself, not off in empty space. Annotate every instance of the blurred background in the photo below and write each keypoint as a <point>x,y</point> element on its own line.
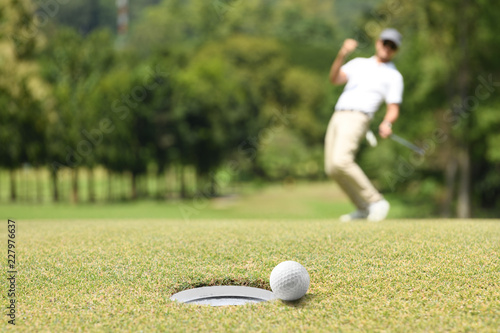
<point>106,101</point>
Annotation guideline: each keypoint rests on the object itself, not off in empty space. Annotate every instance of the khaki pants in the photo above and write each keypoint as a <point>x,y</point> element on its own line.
<point>343,136</point>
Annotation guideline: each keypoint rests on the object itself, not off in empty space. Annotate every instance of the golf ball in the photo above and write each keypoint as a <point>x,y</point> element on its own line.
<point>289,281</point>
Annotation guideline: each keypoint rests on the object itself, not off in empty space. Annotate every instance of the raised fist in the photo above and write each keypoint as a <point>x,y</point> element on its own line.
<point>349,46</point>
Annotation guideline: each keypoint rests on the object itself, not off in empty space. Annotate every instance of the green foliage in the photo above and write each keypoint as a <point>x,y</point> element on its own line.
<point>304,94</point>
<point>22,120</point>
<point>283,155</point>
<point>121,103</point>
<point>83,16</point>
<point>173,25</point>
<point>199,83</point>
<point>221,95</point>
<point>303,22</point>
<point>445,60</point>
<point>74,65</point>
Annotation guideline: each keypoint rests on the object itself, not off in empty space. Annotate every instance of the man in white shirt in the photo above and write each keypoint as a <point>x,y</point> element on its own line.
<point>369,82</point>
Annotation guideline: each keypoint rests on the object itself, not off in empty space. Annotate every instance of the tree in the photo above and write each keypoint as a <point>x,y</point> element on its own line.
<point>22,92</point>
<point>84,16</point>
<point>123,100</point>
<point>220,98</point>
<point>74,65</point>
<point>179,26</point>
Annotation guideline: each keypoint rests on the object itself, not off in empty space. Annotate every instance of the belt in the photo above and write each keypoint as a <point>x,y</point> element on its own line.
<point>349,110</point>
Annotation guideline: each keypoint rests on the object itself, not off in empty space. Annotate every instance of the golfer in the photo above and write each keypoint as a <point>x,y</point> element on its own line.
<point>369,82</point>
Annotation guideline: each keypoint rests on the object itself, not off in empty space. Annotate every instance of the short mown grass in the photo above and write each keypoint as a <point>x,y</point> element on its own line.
<point>117,275</point>
<point>317,200</point>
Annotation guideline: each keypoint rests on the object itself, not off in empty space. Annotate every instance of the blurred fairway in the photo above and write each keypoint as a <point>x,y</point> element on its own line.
<point>117,275</point>
<point>290,201</point>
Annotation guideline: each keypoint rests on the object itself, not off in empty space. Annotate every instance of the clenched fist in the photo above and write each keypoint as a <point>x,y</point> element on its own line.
<point>349,46</point>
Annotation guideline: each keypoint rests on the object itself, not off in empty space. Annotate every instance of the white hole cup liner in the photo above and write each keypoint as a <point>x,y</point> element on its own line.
<point>223,295</point>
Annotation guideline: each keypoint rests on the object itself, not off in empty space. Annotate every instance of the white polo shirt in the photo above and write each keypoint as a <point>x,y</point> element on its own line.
<point>369,83</point>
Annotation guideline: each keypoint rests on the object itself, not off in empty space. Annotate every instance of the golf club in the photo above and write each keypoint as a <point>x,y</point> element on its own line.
<point>370,137</point>
<point>407,144</point>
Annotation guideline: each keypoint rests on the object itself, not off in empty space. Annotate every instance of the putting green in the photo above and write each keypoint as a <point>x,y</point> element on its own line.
<point>118,275</point>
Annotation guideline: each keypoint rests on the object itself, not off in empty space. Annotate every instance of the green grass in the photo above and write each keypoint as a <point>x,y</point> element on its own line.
<point>297,201</point>
<point>113,268</point>
<point>118,274</point>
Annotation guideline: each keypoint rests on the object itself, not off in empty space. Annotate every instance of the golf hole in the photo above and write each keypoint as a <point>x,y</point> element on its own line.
<point>223,295</point>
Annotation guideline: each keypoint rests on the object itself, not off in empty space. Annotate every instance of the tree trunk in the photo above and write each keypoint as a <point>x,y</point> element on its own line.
<point>13,189</point>
<point>464,200</point>
<point>134,186</point>
<point>169,187</point>
<point>23,185</point>
<point>110,186</point>
<point>182,181</point>
<point>158,186</point>
<point>39,187</point>
<point>465,30</point>
<point>450,178</point>
<point>91,185</point>
<point>74,186</point>
<point>143,190</point>
<point>55,189</point>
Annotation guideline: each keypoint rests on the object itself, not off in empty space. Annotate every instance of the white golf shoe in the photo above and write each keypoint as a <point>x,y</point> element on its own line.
<point>378,211</point>
<point>356,215</point>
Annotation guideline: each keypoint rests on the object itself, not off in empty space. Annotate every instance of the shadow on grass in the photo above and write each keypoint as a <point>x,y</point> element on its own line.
<point>301,302</point>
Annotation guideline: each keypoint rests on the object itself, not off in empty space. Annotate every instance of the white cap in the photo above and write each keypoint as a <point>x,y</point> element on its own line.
<point>393,35</point>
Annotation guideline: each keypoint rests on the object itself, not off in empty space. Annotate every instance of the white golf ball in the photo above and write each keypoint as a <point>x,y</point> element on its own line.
<point>289,281</point>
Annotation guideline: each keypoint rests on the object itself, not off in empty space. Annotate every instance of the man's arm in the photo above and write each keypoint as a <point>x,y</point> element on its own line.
<point>392,114</point>
<point>338,77</point>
